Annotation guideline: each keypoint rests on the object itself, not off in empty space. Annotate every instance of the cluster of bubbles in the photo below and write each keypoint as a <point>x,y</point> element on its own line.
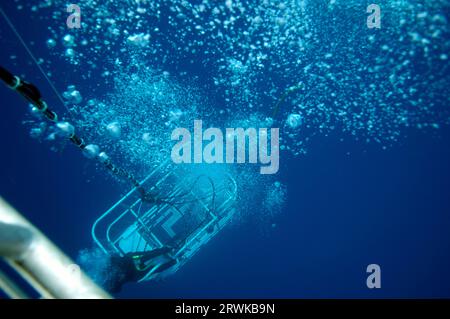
<point>72,95</point>
<point>368,84</point>
<point>294,121</point>
<point>135,119</point>
<point>276,196</point>
<point>99,267</point>
<point>139,40</point>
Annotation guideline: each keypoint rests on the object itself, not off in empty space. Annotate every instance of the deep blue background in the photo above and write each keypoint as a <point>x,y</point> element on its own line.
<point>344,211</point>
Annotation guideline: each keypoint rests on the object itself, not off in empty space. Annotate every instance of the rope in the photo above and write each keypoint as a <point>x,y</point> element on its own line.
<point>288,92</point>
<point>32,94</point>
<point>17,34</point>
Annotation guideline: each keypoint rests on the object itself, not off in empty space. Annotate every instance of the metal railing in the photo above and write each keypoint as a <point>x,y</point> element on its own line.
<point>40,262</point>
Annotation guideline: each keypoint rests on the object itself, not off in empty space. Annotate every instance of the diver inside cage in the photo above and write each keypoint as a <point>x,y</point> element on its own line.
<point>132,267</point>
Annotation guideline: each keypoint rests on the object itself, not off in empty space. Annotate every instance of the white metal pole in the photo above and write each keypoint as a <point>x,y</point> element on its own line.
<point>41,262</point>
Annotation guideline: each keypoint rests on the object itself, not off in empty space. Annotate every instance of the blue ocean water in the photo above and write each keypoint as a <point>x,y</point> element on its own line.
<point>367,174</point>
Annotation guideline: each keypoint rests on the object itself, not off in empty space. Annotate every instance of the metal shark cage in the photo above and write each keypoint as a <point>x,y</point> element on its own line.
<point>187,210</point>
